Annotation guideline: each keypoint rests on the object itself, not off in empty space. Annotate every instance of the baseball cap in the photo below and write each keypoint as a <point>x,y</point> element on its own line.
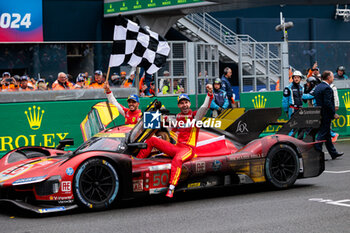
<point>6,73</point>
<point>166,72</point>
<point>40,80</point>
<point>24,78</point>
<point>134,97</point>
<point>183,97</point>
<point>123,72</point>
<point>80,79</point>
<point>99,72</point>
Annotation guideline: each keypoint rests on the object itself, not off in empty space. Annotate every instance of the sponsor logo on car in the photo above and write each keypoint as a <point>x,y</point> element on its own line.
<point>137,185</point>
<point>242,128</point>
<point>66,186</point>
<point>61,198</point>
<point>200,167</point>
<point>194,185</point>
<point>216,165</point>
<point>69,171</point>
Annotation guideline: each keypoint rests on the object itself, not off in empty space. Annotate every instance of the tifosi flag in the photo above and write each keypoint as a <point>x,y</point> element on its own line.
<point>137,46</point>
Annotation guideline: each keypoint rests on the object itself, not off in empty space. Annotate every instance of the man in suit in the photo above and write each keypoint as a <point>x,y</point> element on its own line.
<point>324,97</point>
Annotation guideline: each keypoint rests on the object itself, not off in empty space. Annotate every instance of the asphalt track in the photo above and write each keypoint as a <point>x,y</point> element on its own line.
<point>319,204</point>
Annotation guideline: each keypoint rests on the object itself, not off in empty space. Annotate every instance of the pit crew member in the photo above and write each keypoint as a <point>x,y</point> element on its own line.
<point>293,95</point>
<point>220,101</point>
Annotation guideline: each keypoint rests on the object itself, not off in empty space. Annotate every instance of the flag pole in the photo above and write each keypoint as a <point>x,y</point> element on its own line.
<point>107,102</point>
<point>109,69</point>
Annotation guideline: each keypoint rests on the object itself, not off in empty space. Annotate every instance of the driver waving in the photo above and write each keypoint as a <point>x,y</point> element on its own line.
<point>131,114</point>
<point>184,150</point>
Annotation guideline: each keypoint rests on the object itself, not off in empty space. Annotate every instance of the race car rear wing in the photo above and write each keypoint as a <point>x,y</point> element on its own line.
<point>252,123</point>
<point>304,124</point>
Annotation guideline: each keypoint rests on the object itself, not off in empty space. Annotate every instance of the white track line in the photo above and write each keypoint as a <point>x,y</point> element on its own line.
<point>343,140</point>
<point>337,172</point>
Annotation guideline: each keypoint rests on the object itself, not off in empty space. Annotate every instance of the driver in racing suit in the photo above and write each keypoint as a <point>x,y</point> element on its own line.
<point>184,150</point>
<point>131,114</point>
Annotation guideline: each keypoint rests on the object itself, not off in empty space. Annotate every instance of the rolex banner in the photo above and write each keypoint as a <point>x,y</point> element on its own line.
<point>273,99</point>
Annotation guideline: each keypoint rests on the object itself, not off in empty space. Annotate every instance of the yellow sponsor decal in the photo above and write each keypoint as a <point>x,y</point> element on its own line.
<point>110,135</point>
<point>193,185</point>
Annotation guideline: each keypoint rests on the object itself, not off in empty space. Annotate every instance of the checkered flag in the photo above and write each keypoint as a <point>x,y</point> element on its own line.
<point>137,46</point>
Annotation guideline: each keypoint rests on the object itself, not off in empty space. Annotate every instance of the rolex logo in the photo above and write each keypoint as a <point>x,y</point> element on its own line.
<point>259,101</point>
<point>34,117</point>
<point>346,98</point>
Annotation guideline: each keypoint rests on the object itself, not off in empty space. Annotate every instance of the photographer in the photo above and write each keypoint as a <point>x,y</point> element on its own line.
<point>8,83</point>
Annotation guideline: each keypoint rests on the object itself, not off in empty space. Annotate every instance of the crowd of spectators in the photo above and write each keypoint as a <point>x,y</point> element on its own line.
<point>147,87</point>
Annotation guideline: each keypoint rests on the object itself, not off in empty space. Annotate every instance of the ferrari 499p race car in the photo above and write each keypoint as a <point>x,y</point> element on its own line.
<point>104,170</point>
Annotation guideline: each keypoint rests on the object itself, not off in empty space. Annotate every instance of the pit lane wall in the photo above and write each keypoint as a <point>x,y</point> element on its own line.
<point>253,100</point>
<point>45,123</point>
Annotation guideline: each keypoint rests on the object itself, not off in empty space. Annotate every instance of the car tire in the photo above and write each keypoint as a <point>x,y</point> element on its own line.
<point>282,166</point>
<point>96,184</point>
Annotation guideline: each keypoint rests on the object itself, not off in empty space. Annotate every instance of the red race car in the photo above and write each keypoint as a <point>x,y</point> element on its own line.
<point>104,169</point>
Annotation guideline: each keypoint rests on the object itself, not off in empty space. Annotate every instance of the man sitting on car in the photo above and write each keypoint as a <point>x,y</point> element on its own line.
<point>131,114</point>
<point>187,137</point>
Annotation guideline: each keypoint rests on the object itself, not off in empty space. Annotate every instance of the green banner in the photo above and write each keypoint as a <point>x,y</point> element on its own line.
<point>274,99</point>
<point>46,123</point>
<point>137,5</point>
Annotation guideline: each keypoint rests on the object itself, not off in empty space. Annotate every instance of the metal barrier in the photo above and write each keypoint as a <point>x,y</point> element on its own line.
<point>81,94</point>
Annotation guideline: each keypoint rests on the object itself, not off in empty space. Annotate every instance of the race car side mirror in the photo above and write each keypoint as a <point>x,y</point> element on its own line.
<point>63,143</point>
<point>137,145</point>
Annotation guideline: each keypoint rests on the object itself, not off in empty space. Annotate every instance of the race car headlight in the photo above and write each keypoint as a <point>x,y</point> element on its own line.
<point>49,186</point>
<point>55,187</point>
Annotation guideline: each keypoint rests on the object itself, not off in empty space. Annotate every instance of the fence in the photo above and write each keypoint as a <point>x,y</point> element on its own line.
<point>328,54</point>
<point>188,66</point>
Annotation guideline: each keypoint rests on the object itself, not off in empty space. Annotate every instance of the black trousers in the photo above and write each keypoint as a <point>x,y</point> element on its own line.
<point>324,133</point>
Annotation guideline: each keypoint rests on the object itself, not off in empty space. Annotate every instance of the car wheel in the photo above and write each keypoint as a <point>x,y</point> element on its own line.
<point>282,166</point>
<point>96,184</point>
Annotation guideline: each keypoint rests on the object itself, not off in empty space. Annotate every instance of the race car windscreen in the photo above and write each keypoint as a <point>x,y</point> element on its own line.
<point>136,131</point>
<point>102,143</point>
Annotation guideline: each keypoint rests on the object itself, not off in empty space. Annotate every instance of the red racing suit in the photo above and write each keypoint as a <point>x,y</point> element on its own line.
<point>131,117</point>
<point>184,150</point>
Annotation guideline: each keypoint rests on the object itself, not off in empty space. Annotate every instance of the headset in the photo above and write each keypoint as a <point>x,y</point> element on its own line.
<point>226,70</point>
